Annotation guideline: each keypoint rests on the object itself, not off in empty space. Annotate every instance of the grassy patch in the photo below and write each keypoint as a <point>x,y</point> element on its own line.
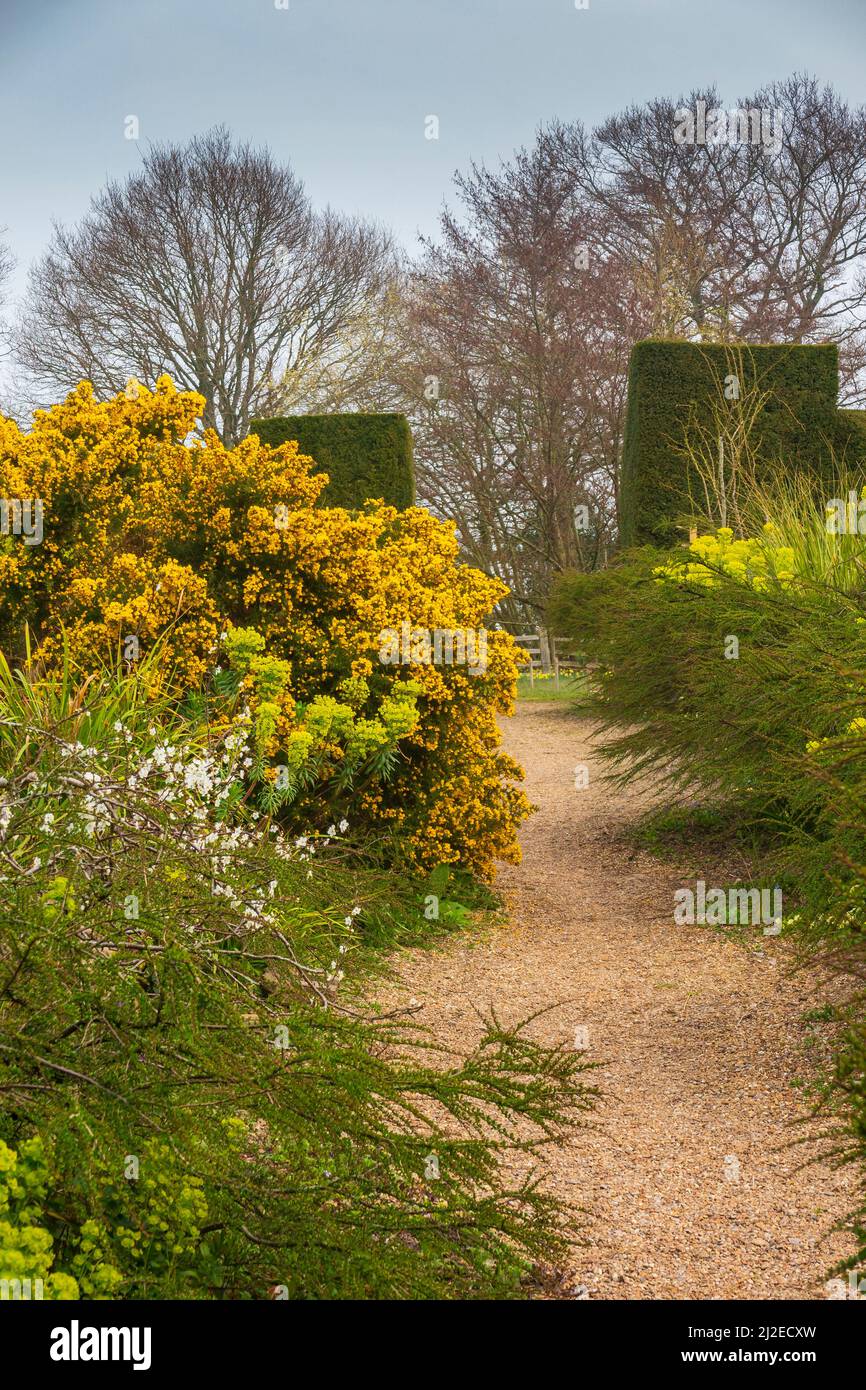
<point>543,688</point>
<point>676,831</point>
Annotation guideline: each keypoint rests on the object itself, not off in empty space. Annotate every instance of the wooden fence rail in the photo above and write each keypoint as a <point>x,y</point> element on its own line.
<point>544,656</point>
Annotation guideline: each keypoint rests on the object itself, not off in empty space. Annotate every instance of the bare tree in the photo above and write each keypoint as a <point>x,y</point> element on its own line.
<point>5,261</point>
<point>7,265</point>
<point>517,343</point>
<point>517,349</point>
<point>208,264</point>
<point>757,236</point>
<point>359,365</point>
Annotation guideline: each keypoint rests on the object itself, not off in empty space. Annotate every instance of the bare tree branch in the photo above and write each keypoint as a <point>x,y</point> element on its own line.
<point>209,265</point>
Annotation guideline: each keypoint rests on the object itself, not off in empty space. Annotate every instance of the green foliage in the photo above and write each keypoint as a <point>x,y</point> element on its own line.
<point>331,750</point>
<point>26,1252</point>
<point>364,455</point>
<point>675,706</point>
<point>676,396</point>
<point>855,418</point>
<point>200,1101</point>
<point>677,831</point>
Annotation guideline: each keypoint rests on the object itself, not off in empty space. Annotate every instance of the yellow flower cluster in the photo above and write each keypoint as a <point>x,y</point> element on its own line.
<point>152,529</point>
<point>856,729</point>
<point>758,561</point>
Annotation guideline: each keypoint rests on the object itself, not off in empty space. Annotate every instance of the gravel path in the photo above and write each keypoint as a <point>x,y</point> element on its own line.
<point>688,1185</point>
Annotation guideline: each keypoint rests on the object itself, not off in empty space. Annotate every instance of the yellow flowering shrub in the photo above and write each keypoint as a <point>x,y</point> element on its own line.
<point>151,530</point>
<point>27,1246</point>
<point>758,560</point>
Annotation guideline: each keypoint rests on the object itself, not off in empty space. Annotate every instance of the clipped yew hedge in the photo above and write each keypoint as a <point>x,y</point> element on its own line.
<point>673,386</point>
<point>364,455</point>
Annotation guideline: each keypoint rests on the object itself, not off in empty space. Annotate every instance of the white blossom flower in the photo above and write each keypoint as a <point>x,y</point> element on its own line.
<point>197,777</point>
<point>97,816</point>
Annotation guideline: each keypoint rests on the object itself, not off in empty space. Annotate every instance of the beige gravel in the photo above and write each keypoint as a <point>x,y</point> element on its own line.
<point>689,1186</point>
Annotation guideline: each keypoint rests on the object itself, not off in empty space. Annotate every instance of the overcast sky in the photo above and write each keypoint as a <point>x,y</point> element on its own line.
<point>341,88</point>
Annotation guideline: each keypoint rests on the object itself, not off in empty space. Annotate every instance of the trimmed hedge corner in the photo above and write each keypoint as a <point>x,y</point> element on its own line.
<point>363,455</point>
<point>857,418</point>
<point>674,386</point>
